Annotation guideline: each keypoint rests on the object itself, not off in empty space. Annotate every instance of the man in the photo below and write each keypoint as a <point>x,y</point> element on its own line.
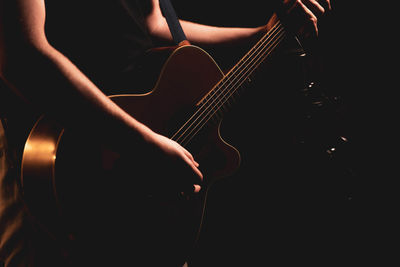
<point>61,58</point>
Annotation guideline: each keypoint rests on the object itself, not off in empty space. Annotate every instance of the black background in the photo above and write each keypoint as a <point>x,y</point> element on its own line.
<point>328,210</point>
<point>349,198</point>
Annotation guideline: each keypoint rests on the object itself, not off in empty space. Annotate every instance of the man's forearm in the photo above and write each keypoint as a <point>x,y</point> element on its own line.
<point>208,36</point>
<point>205,35</point>
<point>55,86</point>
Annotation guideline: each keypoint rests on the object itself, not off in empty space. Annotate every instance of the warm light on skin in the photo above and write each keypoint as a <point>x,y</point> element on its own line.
<point>197,188</point>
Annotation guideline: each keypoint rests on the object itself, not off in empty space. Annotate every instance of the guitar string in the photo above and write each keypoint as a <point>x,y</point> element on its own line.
<point>247,57</point>
<point>239,79</point>
<point>224,81</point>
<point>240,66</point>
<point>228,79</point>
<point>200,125</point>
<point>213,108</point>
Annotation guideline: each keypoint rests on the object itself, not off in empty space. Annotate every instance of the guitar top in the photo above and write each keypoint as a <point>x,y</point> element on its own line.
<point>74,189</point>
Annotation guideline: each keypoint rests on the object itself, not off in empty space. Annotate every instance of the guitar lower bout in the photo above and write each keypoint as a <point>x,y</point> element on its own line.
<point>187,103</point>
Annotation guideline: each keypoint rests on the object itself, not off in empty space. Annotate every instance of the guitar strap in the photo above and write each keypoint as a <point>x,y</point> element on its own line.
<point>179,36</point>
<point>173,22</point>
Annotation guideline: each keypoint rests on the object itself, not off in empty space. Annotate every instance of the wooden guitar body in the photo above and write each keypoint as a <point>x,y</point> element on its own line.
<point>75,191</point>
<point>63,181</point>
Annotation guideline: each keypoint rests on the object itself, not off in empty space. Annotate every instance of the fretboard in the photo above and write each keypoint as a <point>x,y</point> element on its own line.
<point>219,100</point>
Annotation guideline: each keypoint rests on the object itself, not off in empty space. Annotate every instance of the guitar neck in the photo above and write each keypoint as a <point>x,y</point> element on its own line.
<point>224,93</point>
<point>219,100</point>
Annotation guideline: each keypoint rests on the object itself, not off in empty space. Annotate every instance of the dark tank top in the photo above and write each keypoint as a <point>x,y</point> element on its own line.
<point>103,39</point>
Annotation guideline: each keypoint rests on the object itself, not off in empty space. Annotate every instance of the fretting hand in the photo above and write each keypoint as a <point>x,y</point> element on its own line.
<point>302,15</point>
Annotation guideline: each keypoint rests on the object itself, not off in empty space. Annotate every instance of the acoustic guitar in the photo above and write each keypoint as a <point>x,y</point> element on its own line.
<point>187,104</point>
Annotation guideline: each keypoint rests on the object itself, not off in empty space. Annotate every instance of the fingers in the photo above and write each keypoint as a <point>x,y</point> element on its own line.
<point>194,166</point>
<point>196,171</point>
<point>315,7</point>
<point>197,188</point>
<point>192,163</point>
<point>318,7</point>
<point>301,19</point>
<point>326,4</point>
<point>304,14</point>
<point>310,26</point>
<point>187,153</point>
<point>194,190</point>
<point>177,168</point>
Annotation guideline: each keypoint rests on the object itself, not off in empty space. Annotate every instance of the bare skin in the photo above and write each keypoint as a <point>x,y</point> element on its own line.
<point>27,59</point>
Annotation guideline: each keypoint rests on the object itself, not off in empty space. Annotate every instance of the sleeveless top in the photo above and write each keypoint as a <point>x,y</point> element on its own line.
<point>103,39</point>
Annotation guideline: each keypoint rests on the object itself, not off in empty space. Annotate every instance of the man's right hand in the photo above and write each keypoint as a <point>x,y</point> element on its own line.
<point>171,166</point>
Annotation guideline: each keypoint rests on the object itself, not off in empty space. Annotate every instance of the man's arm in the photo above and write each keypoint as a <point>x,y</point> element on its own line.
<point>302,15</point>
<point>200,34</point>
<point>43,76</point>
<point>48,81</point>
